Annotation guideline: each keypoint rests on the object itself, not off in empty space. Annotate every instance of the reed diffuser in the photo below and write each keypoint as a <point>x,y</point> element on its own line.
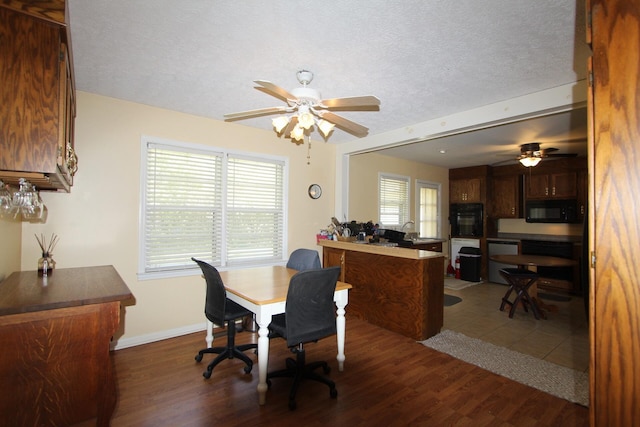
<point>46,264</point>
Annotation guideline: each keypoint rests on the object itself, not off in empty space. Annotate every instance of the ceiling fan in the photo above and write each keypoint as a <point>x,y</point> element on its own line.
<point>305,108</point>
<point>531,154</point>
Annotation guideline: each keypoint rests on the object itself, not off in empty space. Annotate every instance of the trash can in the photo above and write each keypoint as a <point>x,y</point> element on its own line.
<point>470,263</point>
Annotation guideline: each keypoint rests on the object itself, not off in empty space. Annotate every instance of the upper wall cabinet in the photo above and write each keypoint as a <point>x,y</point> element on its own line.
<point>506,199</point>
<point>468,185</point>
<point>560,185</point>
<point>465,190</point>
<point>38,107</point>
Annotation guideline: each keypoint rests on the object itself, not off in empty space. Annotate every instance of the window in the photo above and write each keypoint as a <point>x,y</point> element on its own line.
<point>428,207</point>
<point>222,207</point>
<point>394,200</point>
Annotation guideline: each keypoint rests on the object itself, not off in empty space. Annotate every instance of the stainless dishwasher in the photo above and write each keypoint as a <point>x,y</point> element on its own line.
<point>500,247</point>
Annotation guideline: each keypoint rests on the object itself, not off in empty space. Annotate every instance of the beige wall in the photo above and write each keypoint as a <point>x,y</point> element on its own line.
<point>363,184</point>
<point>98,221</point>
<point>10,246</point>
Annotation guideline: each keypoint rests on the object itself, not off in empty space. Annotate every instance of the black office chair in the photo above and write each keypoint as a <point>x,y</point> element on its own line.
<point>222,311</point>
<point>310,315</point>
<point>304,259</point>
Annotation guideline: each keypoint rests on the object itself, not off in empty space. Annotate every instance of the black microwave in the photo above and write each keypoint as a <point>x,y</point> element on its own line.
<point>551,211</point>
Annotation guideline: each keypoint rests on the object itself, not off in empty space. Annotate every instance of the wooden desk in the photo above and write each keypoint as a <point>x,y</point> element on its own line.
<point>55,333</point>
<point>263,290</point>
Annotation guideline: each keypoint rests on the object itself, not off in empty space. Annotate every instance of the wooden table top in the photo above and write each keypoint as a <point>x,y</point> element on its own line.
<point>534,260</point>
<point>25,291</point>
<point>263,285</point>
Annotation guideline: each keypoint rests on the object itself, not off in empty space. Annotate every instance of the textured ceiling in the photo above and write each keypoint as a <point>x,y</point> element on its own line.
<point>423,59</point>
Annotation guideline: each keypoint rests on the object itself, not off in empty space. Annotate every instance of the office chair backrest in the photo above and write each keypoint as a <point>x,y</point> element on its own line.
<point>215,302</point>
<point>310,311</point>
<point>304,259</point>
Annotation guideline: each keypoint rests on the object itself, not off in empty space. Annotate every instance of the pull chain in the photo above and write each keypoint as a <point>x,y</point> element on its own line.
<point>308,149</point>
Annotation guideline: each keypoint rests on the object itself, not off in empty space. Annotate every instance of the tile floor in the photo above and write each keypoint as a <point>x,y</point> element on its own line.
<point>562,338</point>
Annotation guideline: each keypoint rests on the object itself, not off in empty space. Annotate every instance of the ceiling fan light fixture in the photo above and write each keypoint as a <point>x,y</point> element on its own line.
<point>279,123</point>
<point>297,133</point>
<point>530,161</point>
<point>305,120</point>
<point>325,127</point>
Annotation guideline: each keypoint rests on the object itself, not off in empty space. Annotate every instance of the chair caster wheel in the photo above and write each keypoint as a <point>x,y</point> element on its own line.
<point>206,374</point>
<point>198,358</point>
<point>247,369</point>
<point>333,393</point>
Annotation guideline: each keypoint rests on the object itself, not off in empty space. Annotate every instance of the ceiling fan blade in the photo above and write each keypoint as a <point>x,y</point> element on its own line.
<point>353,101</point>
<point>275,90</point>
<point>561,155</point>
<point>254,113</point>
<point>545,151</point>
<point>346,124</point>
<point>292,123</point>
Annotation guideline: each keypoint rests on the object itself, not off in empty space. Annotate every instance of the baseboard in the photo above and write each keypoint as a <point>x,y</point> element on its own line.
<point>159,336</point>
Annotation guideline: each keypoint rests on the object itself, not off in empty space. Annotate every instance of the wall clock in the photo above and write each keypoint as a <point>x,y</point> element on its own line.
<point>315,191</point>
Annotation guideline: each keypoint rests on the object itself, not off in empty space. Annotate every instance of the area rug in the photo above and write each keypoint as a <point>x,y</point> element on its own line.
<point>450,300</point>
<point>457,284</point>
<point>557,380</point>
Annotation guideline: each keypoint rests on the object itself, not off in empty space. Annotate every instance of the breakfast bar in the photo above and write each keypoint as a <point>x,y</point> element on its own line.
<point>399,289</point>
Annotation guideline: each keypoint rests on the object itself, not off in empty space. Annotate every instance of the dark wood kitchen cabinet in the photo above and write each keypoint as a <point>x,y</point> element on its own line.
<point>561,185</point>
<point>506,196</point>
<point>465,190</point>
<point>38,95</point>
<point>468,185</point>
<point>332,257</point>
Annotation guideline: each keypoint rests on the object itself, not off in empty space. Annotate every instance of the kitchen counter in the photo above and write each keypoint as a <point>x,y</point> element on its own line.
<point>394,251</point>
<point>397,288</point>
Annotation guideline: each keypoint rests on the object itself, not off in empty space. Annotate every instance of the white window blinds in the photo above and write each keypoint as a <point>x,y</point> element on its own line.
<point>220,207</point>
<point>394,200</point>
<point>255,210</point>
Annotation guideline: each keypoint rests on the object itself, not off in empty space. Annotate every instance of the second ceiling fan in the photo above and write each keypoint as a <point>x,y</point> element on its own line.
<point>305,108</point>
<point>531,154</point>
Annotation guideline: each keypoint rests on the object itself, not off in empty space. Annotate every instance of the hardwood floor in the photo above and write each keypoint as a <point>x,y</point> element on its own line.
<point>388,380</point>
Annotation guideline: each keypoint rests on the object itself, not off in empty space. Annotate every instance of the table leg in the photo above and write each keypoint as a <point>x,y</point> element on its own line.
<point>209,337</point>
<point>341,303</point>
<point>263,358</point>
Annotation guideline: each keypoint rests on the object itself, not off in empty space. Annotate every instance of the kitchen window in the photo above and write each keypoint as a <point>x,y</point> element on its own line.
<point>393,196</point>
<point>428,209</point>
<point>226,208</point>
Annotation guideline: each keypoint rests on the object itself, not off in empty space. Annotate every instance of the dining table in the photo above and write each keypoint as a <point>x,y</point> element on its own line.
<point>530,262</point>
<point>263,290</point>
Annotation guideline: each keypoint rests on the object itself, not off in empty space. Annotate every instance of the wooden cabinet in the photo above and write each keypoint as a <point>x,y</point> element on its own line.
<point>332,257</point>
<point>561,185</point>
<point>38,96</point>
<point>465,190</point>
<point>506,199</point>
<point>433,247</point>
<point>55,335</point>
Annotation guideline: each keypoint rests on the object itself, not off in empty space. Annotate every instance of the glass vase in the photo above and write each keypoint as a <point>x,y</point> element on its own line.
<point>46,264</point>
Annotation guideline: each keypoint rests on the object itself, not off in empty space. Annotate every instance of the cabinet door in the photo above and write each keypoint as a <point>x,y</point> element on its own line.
<point>564,185</point>
<point>332,257</point>
<point>36,89</point>
<point>506,197</point>
<point>464,190</point>
<point>537,186</point>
